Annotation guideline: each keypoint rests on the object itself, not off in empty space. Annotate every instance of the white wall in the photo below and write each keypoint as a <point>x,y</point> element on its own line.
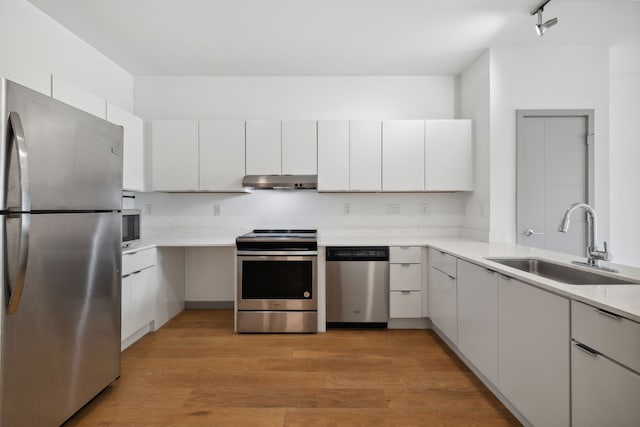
<point>301,209</point>
<point>34,46</point>
<point>474,104</point>
<point>624,154</point>
<point>544,78</point>
<point>299,98</point>
<point>320,98</point>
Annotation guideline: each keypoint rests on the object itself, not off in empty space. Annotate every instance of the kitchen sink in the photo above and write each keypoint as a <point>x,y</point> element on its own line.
<point>560,272</point>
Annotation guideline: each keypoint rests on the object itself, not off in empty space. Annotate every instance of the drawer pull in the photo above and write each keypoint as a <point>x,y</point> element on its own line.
<point>488,270</point>
<point>405,292</point>
<point>586,349</point>
<point>608,314</point>
<point>405,265</point>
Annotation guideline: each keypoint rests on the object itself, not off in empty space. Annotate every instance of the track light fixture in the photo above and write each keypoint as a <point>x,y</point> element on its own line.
<point>540,26</point>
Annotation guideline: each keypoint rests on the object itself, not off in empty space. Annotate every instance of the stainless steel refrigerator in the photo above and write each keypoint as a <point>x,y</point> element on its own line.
<point>61,192</point>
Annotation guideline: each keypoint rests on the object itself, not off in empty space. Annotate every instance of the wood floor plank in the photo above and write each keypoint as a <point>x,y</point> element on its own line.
<point>195,371</point>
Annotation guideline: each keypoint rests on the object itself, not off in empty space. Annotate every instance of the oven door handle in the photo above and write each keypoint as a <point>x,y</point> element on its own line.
<point>277,253</point>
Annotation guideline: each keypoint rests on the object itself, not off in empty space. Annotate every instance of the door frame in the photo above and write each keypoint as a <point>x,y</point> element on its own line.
<point>589,115</point>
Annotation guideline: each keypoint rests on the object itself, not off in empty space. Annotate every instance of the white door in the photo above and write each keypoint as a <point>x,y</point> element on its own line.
<point>403,155</point>
<point>333,155</point>
<point>263,147</point>
<point>299,147</point>
<point>221,155</point>
<point>552,173</point>
<point>365,155</point>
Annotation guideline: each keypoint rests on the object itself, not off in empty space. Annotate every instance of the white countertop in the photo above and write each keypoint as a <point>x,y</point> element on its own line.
<point>620,299</point>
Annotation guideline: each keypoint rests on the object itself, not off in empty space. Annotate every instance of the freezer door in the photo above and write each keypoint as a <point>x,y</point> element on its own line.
<point>61,345</point>
<point>68,159</point>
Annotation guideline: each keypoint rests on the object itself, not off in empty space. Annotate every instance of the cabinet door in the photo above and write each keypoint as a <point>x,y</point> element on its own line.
<point>448,155</point>
<point>533,352</point>
<point>143,298</point>
<point>264,147</point>
<point>78,97</point>
<point>126,311</point>
<point>133,155</point>
<point>365,155</point>
<point>299,147</point>
<point>175,155</point>
<point>403,155</point>
<point>443,303</point>
<point>221,155</point>
<point>478,317</point>
<point>333,155</point>
<point>603,393</point>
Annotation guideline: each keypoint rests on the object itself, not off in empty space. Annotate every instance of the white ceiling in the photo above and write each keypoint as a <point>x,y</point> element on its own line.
<point>329,37</point>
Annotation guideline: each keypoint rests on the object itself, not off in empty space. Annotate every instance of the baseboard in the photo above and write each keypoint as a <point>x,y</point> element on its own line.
<point>420,323</point>
<point>208,305</point>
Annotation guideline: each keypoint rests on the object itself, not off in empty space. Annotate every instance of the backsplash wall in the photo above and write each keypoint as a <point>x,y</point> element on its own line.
<point>443,213</point>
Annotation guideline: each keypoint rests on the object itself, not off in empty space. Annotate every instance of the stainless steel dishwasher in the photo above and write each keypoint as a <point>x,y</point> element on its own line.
<point>357,286</point>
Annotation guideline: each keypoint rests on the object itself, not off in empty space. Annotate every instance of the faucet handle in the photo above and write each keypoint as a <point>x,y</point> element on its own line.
<point>603,255</point>
<point>607,255</point>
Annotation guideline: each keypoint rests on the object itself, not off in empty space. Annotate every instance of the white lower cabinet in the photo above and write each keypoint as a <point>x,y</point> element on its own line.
<point>443,307</point>
<point>139,294</point>
<point>405,304</point>
<point>605,356</point>
<point>405,282</point>
<point>533,352</point>
<point>603,393</point>
<point>478,317</point>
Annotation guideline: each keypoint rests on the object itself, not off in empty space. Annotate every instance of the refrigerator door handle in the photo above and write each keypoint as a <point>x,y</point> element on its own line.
<point>20,145</point>
<point>21,263</point>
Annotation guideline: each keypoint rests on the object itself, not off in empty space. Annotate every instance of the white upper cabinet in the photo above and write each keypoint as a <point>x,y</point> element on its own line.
<point>175,155</point>
<point>365,155</point>
<point>264,147</point>
<point>299,147</point>
<point>221,155</point>
<point>448,155</point>
<point>34,79</point>
<point>333,155</point>
<point>133,152</point>
<point>403,155</point>
<point>78,97</point>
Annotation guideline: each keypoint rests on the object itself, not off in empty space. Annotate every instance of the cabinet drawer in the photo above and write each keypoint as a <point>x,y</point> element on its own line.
<point>405,277</point>
<point>405,254</point>
<point>603,393</point>
<point>614,336</point>
<point>443,262</point>
<point>405,304</point>
<point>136,261</point>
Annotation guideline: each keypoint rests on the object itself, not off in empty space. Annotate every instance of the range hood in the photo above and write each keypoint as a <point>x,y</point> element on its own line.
<point>280,182</point>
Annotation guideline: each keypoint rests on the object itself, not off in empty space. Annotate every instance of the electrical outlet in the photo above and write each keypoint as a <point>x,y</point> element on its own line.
<point>148,209</point>
<point>424,210</point>
<point>346,209</point>
<point>217,210</point>
<point>393,208</point>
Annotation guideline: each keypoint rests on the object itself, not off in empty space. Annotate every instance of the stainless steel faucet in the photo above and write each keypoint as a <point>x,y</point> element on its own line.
<point>594,255</point>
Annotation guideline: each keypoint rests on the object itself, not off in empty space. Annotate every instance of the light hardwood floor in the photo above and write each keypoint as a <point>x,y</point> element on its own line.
<point>195,371</point>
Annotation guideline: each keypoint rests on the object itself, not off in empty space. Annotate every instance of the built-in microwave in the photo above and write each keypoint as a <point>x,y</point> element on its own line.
<point>130,226</point>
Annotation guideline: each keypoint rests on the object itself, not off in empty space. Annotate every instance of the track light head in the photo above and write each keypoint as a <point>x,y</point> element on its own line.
<point>540,26</point>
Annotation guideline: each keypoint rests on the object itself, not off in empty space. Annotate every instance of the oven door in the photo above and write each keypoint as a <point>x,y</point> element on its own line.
<point>277,281</point>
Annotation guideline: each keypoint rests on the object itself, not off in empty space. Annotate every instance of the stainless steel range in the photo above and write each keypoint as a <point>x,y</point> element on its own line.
<point>277,281</point>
